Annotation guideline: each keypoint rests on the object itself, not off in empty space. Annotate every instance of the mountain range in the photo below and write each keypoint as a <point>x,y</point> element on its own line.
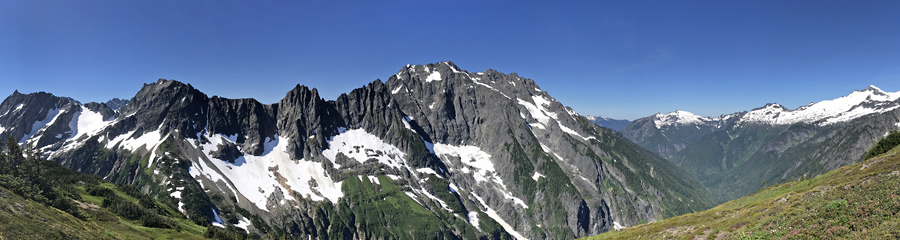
<point>737,154</point>
<point>433,152</point>
<point>857,201</point>
<point>614,124</point>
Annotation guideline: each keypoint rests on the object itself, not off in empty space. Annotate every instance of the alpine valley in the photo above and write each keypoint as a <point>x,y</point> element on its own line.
<point>434,152</point>
<point>737,154</point>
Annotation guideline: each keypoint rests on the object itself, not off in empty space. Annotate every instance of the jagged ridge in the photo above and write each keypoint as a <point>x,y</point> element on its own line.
<point>488,154</point>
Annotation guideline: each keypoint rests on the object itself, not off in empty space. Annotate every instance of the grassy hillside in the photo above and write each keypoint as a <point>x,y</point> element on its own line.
<point>44,200</point>
<point>859,201</point>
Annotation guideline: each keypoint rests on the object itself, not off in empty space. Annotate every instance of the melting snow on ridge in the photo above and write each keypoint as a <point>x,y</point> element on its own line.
<point>471,156</point>
<point>476,80</point>
<point>251,175</point>
<point>395,91</point>
<point>493,214</point>
<point>361,145</point>
<point>539,112</point>
<point>480,162</point>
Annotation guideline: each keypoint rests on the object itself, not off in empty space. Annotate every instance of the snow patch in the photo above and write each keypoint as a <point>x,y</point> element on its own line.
<point>476,80</point>
<point>87,122</point>
<point>176,194</point>
<point>539,112</point>
<point>396,90</point>
<point>434,76</point>
<point>218,222</point>
<point>374,180</point>
<point>299,175</point>
<point>473,219</point>
<point>471,156</point>
<point>617,226</point>
<point>480,162</point>
<point>432,197</point>
<point>243,223</point>
<point>493,214</point>
<point>406,121</point>
<point>427,171</point>
<point>413,196</point>
<point>40,124</point>
<point>537,176</point>
<point>362,146</point>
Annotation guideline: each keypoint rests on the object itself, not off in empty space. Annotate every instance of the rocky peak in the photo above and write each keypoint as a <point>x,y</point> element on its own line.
<point>116,103</point>
<point>168,106</point>
<point>24,115</point>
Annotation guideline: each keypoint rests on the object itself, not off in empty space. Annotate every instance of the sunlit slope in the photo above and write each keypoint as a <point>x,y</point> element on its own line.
<point>860,201</point>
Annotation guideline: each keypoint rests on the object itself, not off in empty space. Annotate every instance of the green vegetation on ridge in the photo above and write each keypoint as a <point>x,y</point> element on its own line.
<point>44,200</point>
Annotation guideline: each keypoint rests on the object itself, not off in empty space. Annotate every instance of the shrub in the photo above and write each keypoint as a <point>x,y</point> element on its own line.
<point>884,145</point>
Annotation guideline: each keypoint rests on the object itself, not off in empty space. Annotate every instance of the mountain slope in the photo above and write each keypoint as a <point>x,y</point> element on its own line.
<point>859,201</point>
<point>734,155</point>
<point>667,134</point>
<point>456,154</point>
<point>44,200</point>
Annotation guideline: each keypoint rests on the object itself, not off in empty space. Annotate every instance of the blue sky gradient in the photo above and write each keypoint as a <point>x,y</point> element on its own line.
<point>622,59</point>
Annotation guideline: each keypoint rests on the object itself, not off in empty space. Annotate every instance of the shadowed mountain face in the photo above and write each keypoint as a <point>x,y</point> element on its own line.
<point>433,151</point>
<point>734,155</point>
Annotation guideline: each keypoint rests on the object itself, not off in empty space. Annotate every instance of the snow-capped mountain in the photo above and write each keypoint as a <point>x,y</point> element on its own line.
<point>681,118</point>
<point>871,100</point>
<point>734,154</point>
<point>435,150</point>
<point>614,124</point>
<point>668,133</point>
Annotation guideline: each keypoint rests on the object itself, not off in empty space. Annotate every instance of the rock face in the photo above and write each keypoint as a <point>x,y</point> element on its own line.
<point>116,103</point>
<point>436,151</point>
<point>734,155</point>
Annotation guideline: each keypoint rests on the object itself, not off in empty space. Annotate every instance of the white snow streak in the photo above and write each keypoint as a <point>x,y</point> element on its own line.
<point>493,214</point>
<point>473,219</point>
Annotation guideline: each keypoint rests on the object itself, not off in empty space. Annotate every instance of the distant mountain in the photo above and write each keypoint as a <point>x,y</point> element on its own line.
<point>434,152</point>
<point>667,134</point>
<point>614,124</point>
<point>735,154</point>
<point>858,201</point>
<point>116,103</point>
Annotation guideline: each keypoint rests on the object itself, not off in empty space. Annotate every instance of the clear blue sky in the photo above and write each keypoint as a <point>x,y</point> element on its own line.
<point>623,59</point>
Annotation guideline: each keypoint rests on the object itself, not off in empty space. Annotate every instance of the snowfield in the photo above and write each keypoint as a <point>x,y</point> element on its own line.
<point>255,178</point>
<point>362,146</point>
